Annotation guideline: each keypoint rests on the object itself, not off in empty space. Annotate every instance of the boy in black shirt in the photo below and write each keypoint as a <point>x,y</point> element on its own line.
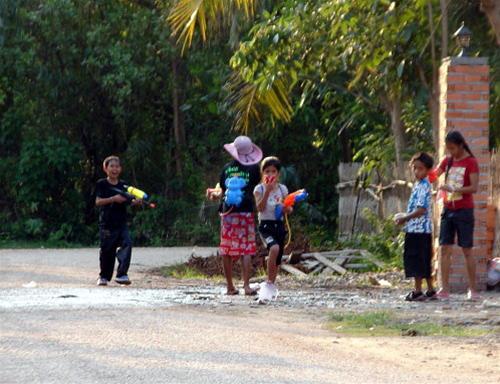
<point>113,231</point>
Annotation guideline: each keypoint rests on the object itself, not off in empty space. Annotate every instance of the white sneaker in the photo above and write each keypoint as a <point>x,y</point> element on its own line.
<point>268,292</point>
<point>473,296</point>
<point>124,280</point>
<point>101,281</point>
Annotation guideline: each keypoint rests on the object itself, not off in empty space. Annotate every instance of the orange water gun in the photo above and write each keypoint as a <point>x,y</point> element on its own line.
<point>290,201</point>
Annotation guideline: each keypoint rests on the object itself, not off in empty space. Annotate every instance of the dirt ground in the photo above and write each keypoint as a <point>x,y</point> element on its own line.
<point>57,327</point>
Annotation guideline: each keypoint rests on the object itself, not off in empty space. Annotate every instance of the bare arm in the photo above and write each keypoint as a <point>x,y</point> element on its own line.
<point>101,201</point>
<point>472,188</point>
<point>261,199</point>
<point>420,211</point>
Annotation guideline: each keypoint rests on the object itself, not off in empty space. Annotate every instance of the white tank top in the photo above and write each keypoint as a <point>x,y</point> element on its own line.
<point>276,197</point>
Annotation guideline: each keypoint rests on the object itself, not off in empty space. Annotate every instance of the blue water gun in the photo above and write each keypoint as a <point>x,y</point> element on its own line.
<point>290,201</point>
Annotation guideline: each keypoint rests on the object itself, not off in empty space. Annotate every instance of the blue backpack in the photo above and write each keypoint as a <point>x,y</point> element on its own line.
<point>234,191</point>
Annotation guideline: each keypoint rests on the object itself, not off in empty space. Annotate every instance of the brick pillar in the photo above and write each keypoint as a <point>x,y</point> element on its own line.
<point>464,103</point>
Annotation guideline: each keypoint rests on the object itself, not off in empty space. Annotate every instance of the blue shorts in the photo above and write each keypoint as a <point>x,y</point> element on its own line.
<point>459,223</point>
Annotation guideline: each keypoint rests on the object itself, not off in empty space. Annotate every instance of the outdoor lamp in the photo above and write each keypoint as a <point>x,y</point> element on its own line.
<point>463,35</point>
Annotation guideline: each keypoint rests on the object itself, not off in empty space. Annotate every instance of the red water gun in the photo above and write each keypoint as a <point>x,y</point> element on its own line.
<point>432,175</point>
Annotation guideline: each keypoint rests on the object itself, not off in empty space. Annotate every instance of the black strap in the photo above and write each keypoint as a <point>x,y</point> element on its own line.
<point>448,166</point>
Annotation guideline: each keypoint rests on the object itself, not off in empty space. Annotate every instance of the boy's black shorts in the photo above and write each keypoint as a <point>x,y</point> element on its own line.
<point>418,255</point>
<point>458,222</point>
<point>273,232</point>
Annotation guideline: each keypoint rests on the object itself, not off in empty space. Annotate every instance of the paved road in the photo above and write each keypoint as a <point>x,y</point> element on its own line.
<point>79,266</point>
<point>65,330</point>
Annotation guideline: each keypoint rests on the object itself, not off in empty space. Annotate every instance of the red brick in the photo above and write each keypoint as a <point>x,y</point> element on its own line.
<point>466,114</point>
<point>455,77</point>
<point>482,69</point>
<point>483,159</point>
<point>469,87</point>
<point>464,123</point>
<point>480,141</point>
<point>481,198</point>
<point>461,96</point>
<point>485,168</point>
<point>470,106</point>
<point>469,133</point>
<point>481,241</point>
<point>480,214</point>
<point>481,106</point>
<point>476,78</point>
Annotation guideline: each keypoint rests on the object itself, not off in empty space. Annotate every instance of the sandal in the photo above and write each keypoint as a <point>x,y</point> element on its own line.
<point>415,296</point>
<point>431,294</point>
<point>232,292</point>
<point>253,292</point>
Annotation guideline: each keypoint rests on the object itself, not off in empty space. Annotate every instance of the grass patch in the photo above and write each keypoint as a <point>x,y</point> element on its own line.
<point>182,271</point>
<point>260,273</point>
<point>387,323</point>
<point>26,244</point>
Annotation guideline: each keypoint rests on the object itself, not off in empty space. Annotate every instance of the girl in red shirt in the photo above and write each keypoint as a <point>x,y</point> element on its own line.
<point>461,181</point>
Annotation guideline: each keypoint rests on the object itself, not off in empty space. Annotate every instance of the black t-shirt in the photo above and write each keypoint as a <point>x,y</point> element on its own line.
<point>111,215</point>
<point>249,173</point>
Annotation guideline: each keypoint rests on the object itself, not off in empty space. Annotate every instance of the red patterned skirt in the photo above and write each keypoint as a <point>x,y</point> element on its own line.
<point>237,235</point>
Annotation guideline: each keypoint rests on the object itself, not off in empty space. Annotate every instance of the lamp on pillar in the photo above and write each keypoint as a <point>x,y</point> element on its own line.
<point>463,35</point>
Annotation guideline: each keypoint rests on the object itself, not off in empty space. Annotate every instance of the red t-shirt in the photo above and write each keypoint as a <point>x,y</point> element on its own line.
<point>458,177</point>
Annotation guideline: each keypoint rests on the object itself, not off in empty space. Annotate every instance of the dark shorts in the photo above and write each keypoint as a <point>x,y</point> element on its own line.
<point>273,232</point>
<point>418,255</point>
<point>459,223</point>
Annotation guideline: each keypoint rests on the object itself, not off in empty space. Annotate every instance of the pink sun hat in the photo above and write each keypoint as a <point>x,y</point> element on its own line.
<point>244,151</point>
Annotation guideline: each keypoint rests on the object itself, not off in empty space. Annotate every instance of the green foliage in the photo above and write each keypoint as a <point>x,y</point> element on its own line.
<point>46,188</point>
<point>388,323</point>
<point>385,243</point>
<point>359,61</point>
<point>182,271</point>
<point>311,81</point>
<point>80,80</point>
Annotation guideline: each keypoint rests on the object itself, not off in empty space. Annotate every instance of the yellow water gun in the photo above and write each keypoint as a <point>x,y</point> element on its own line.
<point>133,193</point>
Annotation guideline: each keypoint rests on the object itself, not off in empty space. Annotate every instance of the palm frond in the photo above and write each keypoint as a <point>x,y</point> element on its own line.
<point>248,101</point>
<point>204,16</point>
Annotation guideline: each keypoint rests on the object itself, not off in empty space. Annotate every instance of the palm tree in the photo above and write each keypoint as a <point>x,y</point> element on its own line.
<point>206,16</point>
<point>246,101</point>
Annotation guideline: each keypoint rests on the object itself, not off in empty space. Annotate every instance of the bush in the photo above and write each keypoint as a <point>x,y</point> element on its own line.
<point>172,223</point>
<point>385,243</point>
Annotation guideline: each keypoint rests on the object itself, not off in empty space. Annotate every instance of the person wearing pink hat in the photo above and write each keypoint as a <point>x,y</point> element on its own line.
<point>237,182</point>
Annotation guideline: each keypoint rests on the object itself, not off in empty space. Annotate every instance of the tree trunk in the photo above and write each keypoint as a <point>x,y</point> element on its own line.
<point>433,102</point>
<point>346,147</point>
<point>178,118</point>
<point>492,10</point>
<point>234,32</point>
<point>444,28</point>
<point>433,105</point>
<point>397,129</point>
